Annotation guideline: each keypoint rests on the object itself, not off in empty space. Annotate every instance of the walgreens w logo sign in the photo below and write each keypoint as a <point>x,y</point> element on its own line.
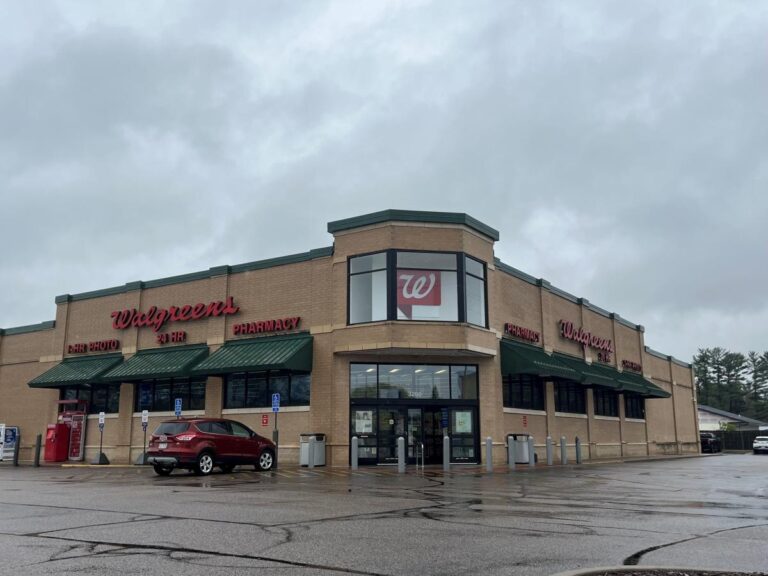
<point>417,288</point>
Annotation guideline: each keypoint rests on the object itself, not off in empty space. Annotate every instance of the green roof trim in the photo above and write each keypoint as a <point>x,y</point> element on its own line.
<point>78,371</point>
<point>290,352</point>
<point>47,325</point>
<point>153,363</point>
<point>642,385</point>
<point>412,216</point>
<point>519,358</point>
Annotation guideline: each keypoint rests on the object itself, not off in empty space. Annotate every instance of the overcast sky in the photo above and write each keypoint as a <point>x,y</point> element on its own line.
<point>620,148</point>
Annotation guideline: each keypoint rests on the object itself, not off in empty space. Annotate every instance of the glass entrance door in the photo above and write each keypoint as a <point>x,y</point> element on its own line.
<point>391,427</point>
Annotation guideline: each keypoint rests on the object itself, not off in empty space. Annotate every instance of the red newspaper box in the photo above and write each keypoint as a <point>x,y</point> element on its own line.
<point>57,442</point>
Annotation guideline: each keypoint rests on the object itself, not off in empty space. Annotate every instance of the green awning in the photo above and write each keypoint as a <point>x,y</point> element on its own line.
<point>256,354</point>
<point>77,371</point>
<point>519,358</point>
<point>158,363</point>
<point>592,374</point>
<point>639,384</point>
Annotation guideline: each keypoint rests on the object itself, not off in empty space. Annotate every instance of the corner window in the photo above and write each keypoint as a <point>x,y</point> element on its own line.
<point>368,288</point>
<point>634,406</point>
<point>525,391</point>
<point>606,402</point>
<point>427,286</point>
<point>475,291</point>
<point>424,286</point>
<point>569,397</point>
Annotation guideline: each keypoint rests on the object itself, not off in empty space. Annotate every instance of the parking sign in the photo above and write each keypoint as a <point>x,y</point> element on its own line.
<point>177,408</point>
<point>276,402</point>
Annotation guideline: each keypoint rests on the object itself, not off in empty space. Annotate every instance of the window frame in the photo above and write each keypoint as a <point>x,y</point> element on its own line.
<point>391,268</point>
<point>380,400</point>
<point>566,405</point>
<point>536,385</point>
<point>266,401</point>
<point>87,393</point>
<point>634,404</point>
<point>189,382</point>
<point>605,401</point>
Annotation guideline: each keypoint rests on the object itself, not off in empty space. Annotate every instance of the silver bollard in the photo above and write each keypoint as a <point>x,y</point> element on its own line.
<point>549,451</point>
<point>578,450</point>
<point>446,453</point>
<point>563,451</point>
<point>488,454</point>
<point>511,452</point>
<point>531,453</point>
<point>311,459</point>
<point>401,455</point>
<point>354,455</point>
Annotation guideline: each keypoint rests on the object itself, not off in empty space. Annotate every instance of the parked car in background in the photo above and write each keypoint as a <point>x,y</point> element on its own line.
<point>760,444</point>
<point>200,444</point>
<point>710,442</point>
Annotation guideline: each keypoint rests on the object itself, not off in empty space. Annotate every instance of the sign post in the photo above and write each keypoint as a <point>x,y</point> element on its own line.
<point>2,440</point>
<point>275,432</point>
<point>102,459</point>
<point>142,459</point>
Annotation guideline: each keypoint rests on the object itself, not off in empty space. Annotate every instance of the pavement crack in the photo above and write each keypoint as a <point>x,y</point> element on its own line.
<point>169,551</point>
<point>635,558</point>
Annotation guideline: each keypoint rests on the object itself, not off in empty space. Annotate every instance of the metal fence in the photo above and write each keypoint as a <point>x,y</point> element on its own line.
<point>739,439</point>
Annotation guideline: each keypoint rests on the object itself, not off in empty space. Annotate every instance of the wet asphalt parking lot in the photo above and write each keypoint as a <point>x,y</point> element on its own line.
<point>702,512</point>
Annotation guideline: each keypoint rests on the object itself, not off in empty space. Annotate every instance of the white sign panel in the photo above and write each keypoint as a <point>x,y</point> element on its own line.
<point>101,418</point>
<point>144,416</point>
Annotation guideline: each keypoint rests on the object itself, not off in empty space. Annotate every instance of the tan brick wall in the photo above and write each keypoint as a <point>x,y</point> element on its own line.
<point>514,301</point>
<point>29,347</point>
<point>31,409</point>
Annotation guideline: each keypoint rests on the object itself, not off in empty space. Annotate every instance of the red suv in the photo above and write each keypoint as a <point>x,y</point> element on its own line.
<point>199,444</point>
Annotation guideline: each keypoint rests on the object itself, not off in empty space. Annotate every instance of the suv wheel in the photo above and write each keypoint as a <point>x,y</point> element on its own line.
<point>266,461</point>
<point>204,464</point>
<point>162,470</point>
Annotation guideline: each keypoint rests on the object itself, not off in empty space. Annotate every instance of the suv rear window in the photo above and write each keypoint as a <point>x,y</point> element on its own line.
<point>172,428</point>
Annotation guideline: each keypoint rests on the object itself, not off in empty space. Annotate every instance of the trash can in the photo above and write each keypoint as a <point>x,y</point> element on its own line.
<point>319,452</point>
<point>520,447</point>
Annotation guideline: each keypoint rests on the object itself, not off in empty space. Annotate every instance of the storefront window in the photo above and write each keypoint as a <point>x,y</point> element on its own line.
<point>160,395</point>
<point>634,406</point>
<point>254,390</point>
<point>413,381</point>
<point>570,397</point>
<point>99,397</point>
<point>362,381</point>
<point>426,286</point>
<point>525,391</point>
<point>368,288</point>
<point>464,382</point>
<point>606,402</point>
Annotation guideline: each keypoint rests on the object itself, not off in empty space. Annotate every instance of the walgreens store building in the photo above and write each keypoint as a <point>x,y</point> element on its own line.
<point>406,326</point>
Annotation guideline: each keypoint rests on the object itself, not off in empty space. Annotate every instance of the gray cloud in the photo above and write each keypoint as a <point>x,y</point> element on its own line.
<point>619,149</point>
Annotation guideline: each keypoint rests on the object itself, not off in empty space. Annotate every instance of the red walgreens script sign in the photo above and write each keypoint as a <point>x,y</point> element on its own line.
<point>417,288</point>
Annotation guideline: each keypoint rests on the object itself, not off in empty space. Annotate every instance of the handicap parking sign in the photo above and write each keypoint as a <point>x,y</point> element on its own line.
<point>177,408</point>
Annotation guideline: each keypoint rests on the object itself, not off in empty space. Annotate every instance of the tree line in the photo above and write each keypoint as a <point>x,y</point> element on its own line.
<point>733,381</point>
